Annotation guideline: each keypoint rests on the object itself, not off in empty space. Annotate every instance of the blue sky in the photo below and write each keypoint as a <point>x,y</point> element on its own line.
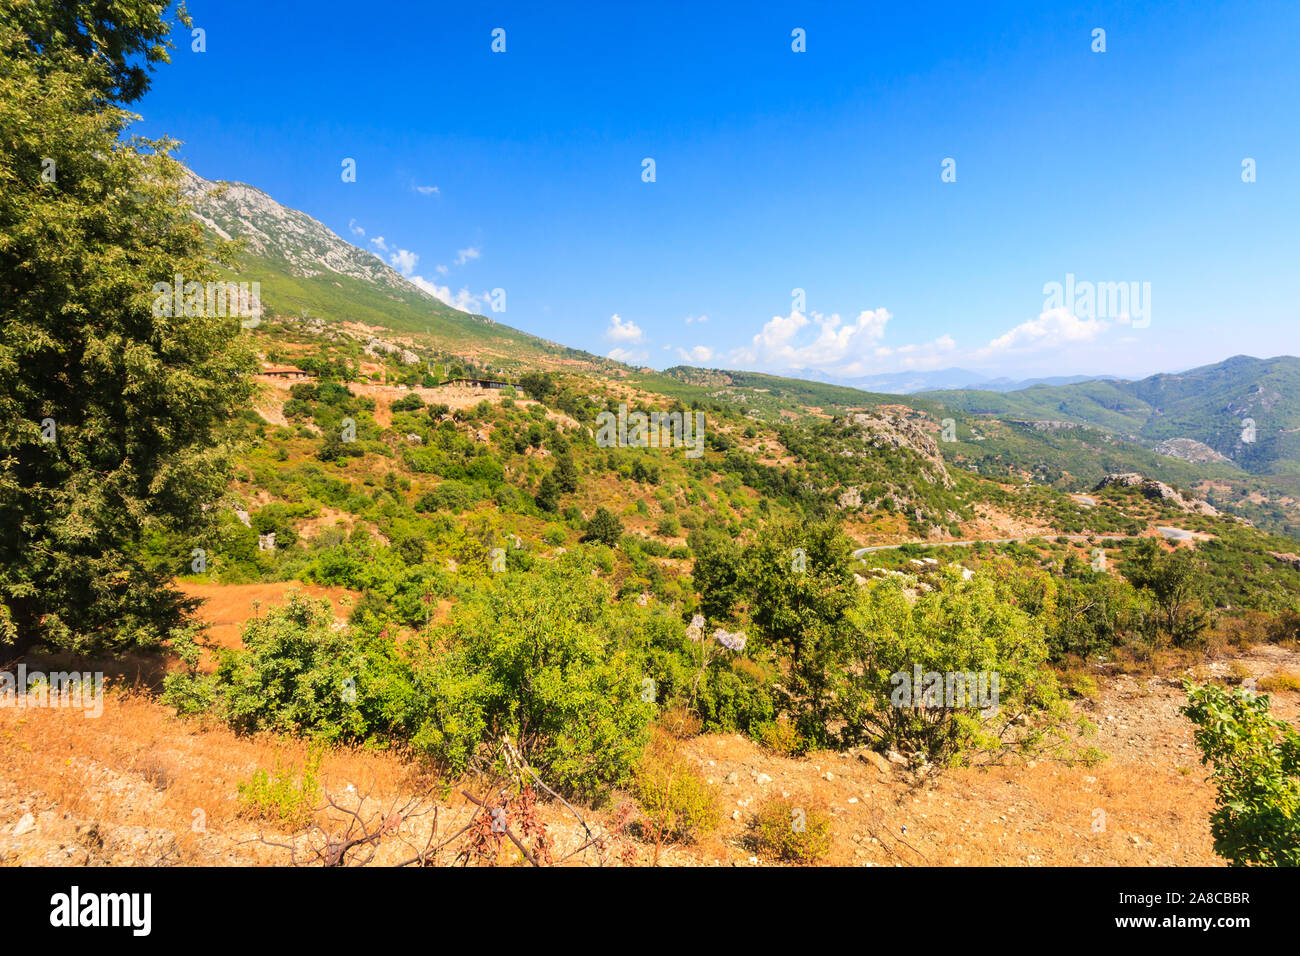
<point>777,170</point>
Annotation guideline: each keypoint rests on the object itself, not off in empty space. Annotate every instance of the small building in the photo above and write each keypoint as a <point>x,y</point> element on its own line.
<point>475,383</point>
<point>284,371</point>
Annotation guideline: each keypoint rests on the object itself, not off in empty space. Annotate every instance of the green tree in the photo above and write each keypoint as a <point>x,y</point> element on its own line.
<point>538,385</point>
<point>114,420</point>
<point>604,527</point>
<point>1256,770</point>
<point>1093,612</point>
<point>947,671</point>
<point>1176,581</point>
<point>548,492</point>
<point>716,572</point>
<point>113,44</point>
<point>800,591</point>
<point>566,473</point>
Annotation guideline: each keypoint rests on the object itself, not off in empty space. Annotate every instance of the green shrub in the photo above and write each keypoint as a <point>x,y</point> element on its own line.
<point>1256,769</point>
<point>408,403</point>
<point>286,797</point>
<point>451,496</point>
<point>979,656</point>
<point>604,527</point>
<point>532,659</point>
<point>300,675</point>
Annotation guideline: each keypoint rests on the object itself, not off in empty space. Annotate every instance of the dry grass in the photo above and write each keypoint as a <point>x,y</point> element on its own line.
<point>137,766</point>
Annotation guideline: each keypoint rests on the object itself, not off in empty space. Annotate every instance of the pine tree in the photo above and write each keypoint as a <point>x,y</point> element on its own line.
<point>548,492</point>
<point>604,527</point>
<point>566,473</point>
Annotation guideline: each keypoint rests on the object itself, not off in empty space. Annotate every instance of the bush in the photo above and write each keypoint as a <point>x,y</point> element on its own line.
<point>408,403</point>
<point>677,803</point>
<point>977,653</point>
<point>781,737</point>
<point>790,830</point>
<point>300,675</point>
<point>282,797</point>
<point>1256,770</point>
<point>533,659</point>
<point>1281,681</point>
<point>453,496</point>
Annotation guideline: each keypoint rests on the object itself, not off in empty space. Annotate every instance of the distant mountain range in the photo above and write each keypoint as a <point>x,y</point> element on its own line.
<point>1243,408</point>
<point>907,383</point>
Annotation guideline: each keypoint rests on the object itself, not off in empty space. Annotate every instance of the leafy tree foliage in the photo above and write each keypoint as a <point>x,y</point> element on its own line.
<point>538,385</point>
<point>113,43</point>
<point>113,420</point>
<point>532,659</point>
<point>1176,580</point>
<point>989,655</point>
<point>800,591</point>
<point>604,527</point>
<point>1256,768</point>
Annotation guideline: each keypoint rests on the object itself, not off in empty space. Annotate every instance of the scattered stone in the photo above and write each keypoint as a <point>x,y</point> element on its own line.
<point>873,758</point>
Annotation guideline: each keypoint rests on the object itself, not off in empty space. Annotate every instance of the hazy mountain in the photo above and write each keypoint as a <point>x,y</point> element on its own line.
<point>908,383</point>
<point>1004,384</point>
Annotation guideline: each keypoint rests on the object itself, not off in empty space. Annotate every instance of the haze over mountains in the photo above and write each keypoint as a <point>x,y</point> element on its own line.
<point>907,383</point>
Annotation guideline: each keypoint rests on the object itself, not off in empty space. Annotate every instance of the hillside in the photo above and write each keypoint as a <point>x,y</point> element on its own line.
<point>305,270</point>
<point>1208,405</point>
<point>412,589</point>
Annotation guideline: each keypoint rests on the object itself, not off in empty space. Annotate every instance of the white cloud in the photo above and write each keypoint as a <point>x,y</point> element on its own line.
<point>465,255</point>
<point>1052,329</point>
<point>691,318</point>
<point>355,229</point>
<point>620,331</point>
<point>829,344</point>
<point>696,355</point>
<point>464,300</point>
<point>427,190</point>
<point>630,356</point>
<point>404,261</point>
<point>442,270</point>
<point>378,243</point>
<point>835,342</point>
